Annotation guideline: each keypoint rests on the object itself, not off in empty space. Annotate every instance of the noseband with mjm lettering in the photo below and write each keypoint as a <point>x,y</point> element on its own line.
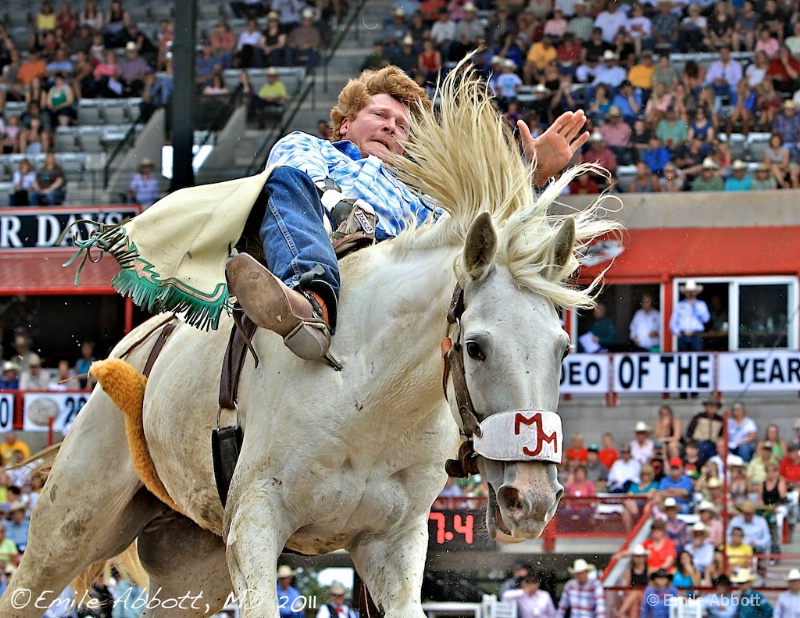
<point>516,435</point>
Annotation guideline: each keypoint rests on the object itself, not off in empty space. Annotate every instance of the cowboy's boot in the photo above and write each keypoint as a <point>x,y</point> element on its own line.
<point>300,319</point>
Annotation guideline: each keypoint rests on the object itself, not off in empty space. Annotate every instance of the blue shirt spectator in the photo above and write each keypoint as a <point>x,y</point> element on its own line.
<point>657,596</point>
<point>741,180</point>
<point>656,156</point>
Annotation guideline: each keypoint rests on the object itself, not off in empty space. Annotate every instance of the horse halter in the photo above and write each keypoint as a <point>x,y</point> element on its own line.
<point>515,435</point>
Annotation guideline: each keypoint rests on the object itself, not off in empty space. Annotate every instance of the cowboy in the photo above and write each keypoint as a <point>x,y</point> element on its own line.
<point>701,550</point>
<point>532,602</point>
<point>316,181</point>
<point>720,604</point>
<point>705,428</point>
<point>144,188</point>
<point>755,529</point>
<point>584,598</point>
<point>689,318</point>
<point>788,605</point>
<point>336,606</point>
<point>642,446</point>
<point>752,604</point>
<point>655,603</point>
<point>289,598</point>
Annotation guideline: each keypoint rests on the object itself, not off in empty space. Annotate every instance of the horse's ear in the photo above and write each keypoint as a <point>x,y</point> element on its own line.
<point>480,247</point>
<point>563,244</point>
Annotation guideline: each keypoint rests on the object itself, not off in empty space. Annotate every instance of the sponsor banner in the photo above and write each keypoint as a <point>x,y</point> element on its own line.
<point>759,371</point>
<point>6,412</point>
<point>38,408</point>
<point>40,228</point>
<point>663,373</point>
<point>585,374</point>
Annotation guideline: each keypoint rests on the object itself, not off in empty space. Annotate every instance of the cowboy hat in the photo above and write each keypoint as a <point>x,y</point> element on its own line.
<point>739,165</point>
<point>641,426</point>
<point>714,483</point>
<point>690,286</point>
<point>710,401</point>
<point>11,366</point>
<point>640,550</point>
<point>705,505</point>
<point>710,164</point>
<point>16,506</point>
<point>336,588</point>
<point>597,137</point>
<point>285,571</point>
<point>744,575</point>
<point>793,575</point>
<point>146,163</point>
<point>734,461</point>
<point>272,71</point>
<point>580,566</point>
<point>789,104</point>
<point>34,360</point>
<point>670,503</point>
<point>700,527</point>
<point>609,55</point>
<point>748,506</point>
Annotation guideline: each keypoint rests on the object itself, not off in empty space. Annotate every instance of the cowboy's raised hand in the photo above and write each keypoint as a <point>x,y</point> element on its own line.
<point>556,146</point>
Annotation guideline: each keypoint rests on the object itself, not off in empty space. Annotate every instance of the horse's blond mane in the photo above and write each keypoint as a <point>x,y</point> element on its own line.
<point>463,158</point>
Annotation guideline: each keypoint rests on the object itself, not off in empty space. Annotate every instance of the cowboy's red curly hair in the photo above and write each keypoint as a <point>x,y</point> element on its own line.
<point>357,94</point>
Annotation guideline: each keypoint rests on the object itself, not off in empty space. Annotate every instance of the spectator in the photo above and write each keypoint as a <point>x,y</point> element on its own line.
<point>584,598</point>
<point>610,73</point>
<point>34,139</point>
<point>249,53</point>
<point>556,26</point>
<point>656,157</point>
<point>581,24</point>
<point>757,72</point>
<point>248,9</point>
<point>678,486</point>
<point>578,450</point>
<point>693,31</point>
<point>778,158</point>
<point>676,529</point>
<point>532,602</point>
<point>601,327</point>
<point>767,43</point>
<point>10,378</point>
<point>288,595</point>
<point>757,468</point>
<point>645,327</point>
<point>741,180</point>
<point>673,179</point>
<point>336,605</point>
<point>608,454</point>
<point>470,29</point>
<point>223,41</point>
<point>636,579</point>
<point>687,322</point>
<point>662,549</point>
<point>672,131</point>
<point>624,472</point>
<point>665,25</point>
<point>720,604</point>
<point>772,494</point>
<point>628,101</point>
<point>304,42</point>
<point>721,27</point>
<point>114,31</point>
<point>518,571</point>
<point>60,102</point>
<point>24,179</point>
<point>686,575</point>
<point>50,186</point>
<point>271,98</point>
<point>701,127</point>
<point>739,553</point>
<point>377,59</point>
<point>690,157</point>
<point>579,487</point>
<point>34,67</point>
<point>724,74</point>
<point>708,515</point>
<point>539,56</point>
<point>9,554</point>
<point>394,31</point>
<point>656,108</point>
<point>752,604</point>
<point>407,59</point>
<point>764,180</point>
<point>784,71</point>
<point>742,432</point>
<point>744,107</point>
<point>646,487</point>
<point>11,445</point>
<point>641,446</point>
<point>643,182</point>
<point>443,32</point>
<point>793,42</point>
<point>657,596</point>
<point>106,76</point>
<point>691,460</point>
<point>754,527</point>
<point>90,16</point>
<point>708,180</point>
<point>34,378</point>
<point>701,551</point>
<point>788,601</point>
<point>143,190</point>
<point>17,528</point>
<point>790,466</point>
<point>668,430</point>
<point>611,21</point>
<point>86,359</point>
<point>596,472</point>
<point>430,62</point>
<point>744,35</point>
<point>603,156</point>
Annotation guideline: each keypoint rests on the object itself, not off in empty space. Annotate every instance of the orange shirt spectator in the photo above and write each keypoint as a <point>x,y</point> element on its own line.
<point>790,466</point>
<point>31,68</point>
<point>662,552</point>
<point>608,456</point>
<point>541,54</point>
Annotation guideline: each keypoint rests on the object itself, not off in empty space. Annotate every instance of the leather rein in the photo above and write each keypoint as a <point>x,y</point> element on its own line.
<point>494,437</point>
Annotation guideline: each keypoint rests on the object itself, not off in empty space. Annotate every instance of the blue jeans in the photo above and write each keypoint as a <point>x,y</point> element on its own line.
<point>690,343</point>
<point>294,236</point>
<point>54,198</point>
<point>745,451</point>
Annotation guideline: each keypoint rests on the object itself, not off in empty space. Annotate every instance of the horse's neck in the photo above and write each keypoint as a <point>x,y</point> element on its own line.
<point>393,314</point>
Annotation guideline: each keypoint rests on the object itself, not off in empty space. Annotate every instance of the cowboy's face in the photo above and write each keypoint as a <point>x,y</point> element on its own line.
<point>582,577</point>
<point>794,586</point>
<point>379,129</point>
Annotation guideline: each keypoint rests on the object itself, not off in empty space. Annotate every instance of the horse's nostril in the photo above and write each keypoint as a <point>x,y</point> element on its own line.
<point>559,494</point>
<point>511,499</point>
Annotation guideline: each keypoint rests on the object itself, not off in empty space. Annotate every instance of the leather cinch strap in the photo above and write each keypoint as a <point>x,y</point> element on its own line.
<point>159,345</point>
<point>232,364</point>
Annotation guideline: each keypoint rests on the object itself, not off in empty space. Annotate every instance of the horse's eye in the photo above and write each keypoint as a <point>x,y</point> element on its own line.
<point>474,351</point>
<point>566,353</point>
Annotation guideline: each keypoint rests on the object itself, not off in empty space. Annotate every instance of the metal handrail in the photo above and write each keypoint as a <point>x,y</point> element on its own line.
<point>118,149</point>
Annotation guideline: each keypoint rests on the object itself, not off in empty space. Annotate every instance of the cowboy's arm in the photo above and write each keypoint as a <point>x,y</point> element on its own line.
<point>303,152</point>
<point>555,147</point>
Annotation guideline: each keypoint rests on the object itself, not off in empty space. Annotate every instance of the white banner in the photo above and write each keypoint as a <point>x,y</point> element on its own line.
<point>38,408</point>
<point>6,412</point>
<point>663,373</point>
<point>585,374</point>
<point>759,371</point>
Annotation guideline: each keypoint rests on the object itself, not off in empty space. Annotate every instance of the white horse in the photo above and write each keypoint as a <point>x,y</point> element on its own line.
<point>351,459</point>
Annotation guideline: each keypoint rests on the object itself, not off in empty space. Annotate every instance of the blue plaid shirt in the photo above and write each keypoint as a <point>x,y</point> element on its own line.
<point>359,178</point>
<point>583,600</point>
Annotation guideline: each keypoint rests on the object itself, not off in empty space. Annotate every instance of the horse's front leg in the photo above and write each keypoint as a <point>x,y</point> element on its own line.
<point>254,540</point>
<point>392,566</point>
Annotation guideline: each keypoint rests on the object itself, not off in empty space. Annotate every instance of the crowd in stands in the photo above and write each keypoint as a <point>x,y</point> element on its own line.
<point>739,74</point>
<point>25,370</point>
<point>103,54</point>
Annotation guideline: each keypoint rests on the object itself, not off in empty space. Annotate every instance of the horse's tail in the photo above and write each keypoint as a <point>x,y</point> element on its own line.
<point>125,385</point>
<point>127,564</point>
